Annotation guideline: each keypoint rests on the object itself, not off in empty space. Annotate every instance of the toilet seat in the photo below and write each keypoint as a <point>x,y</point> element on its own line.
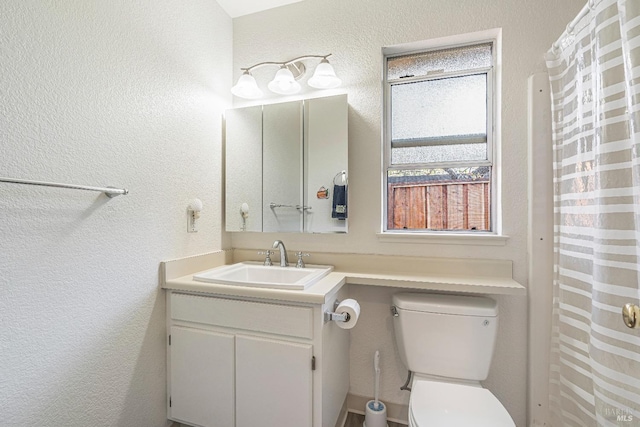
<point>440,404</point>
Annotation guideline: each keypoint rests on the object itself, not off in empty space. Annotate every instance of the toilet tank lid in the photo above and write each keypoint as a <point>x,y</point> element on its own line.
<point>446,304</point>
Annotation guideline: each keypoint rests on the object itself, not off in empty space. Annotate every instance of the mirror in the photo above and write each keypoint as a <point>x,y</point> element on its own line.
<point>286,167</point>
<point>282,178</point>
<point>243,169</point>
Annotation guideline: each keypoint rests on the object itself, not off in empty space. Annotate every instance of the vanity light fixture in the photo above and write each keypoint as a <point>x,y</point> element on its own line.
<point>324,77</point>
<point>247,87</point>
<point>284,82</point>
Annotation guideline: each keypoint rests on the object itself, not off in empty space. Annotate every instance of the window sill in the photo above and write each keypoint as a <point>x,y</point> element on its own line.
<point>444,239</point>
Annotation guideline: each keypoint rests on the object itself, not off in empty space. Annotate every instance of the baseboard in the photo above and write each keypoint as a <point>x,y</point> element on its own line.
<point>342,418</point>
<point>396,412</point>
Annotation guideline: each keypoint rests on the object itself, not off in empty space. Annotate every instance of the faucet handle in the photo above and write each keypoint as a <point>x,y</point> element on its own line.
<point>300,263</point>
<point>267,259</point>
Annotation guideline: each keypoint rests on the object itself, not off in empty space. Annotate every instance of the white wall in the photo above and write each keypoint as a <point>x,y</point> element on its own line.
<point>355,31</point>
<point>121,93</point>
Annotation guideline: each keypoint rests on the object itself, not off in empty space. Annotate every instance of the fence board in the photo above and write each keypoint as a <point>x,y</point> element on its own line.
<point>417,211</point>
<point>475,207</point>
<point>436,204</point>
<point>455,207</point>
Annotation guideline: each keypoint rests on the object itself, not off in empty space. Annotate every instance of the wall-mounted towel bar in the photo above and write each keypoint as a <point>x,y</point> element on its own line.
<point>109,191</point>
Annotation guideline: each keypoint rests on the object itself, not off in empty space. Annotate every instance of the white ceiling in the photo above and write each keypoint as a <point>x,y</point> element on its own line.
<point>237,8</point>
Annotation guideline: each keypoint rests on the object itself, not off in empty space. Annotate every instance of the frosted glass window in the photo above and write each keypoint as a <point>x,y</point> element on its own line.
<point>439,153</point>
<point>441,61</point>
<point>439,108</point>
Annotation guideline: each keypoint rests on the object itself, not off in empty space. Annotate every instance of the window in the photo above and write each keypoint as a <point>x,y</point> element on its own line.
<point>438,140</point>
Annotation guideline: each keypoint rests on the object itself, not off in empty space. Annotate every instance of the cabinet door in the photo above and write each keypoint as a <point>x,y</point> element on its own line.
<point>273,383</point>
<point>202,380</point>
<point>282,167</point>
<point>325,156</point>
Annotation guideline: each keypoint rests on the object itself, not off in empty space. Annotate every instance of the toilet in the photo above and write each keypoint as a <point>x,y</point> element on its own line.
<point>447,341</point>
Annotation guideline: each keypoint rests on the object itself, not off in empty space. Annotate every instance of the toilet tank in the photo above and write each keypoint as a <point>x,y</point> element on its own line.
<point>450,336</point>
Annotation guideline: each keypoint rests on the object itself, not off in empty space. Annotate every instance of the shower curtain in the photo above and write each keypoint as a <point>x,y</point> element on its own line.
<point>594,72</point>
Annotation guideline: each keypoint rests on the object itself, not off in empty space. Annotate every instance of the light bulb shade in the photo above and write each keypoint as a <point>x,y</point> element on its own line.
<point>324,77</point>
<point>284,83</point>
<point>246,87</point>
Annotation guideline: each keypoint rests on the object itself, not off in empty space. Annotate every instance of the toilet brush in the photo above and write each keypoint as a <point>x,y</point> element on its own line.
<point>375,411</point>
<point>376,385</point>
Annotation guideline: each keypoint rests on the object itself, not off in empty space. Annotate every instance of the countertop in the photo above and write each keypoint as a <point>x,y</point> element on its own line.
<point>178,276</point>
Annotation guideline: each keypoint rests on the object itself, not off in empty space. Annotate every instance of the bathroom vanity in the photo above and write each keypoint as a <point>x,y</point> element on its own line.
<point>242,356</point>
<point>243,361</point>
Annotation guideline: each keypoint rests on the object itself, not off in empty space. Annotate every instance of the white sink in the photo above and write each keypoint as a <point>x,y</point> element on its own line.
<point>255,274</point>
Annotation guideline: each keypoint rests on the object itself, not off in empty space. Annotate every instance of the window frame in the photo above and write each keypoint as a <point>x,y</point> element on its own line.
<point>492,129</point>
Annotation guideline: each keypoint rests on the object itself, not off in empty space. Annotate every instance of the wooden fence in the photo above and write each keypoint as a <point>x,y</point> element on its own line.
<point>439,206</point>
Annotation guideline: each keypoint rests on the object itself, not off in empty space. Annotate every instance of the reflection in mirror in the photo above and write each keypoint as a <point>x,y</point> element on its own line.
<point>243,184</point>
<point>325,147</point>
<point>286,167</point>
<point>282,167</point>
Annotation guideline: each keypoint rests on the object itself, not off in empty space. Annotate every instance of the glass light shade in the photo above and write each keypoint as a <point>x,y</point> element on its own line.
<point>324,77</point>
<point>247,87</point>
<point>284,83</point>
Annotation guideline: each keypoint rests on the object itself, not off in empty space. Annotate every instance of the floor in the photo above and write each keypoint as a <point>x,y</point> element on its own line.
<point>356,420</point>
<point>353,420</point>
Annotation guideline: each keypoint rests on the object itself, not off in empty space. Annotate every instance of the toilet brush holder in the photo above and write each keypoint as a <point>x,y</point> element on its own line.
<point>375,417</point>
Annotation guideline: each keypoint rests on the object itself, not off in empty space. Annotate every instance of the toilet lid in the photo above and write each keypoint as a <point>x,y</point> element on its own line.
<point>435,404</point>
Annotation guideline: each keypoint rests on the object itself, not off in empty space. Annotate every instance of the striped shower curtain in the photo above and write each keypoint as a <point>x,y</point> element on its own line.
<point>594,72</point>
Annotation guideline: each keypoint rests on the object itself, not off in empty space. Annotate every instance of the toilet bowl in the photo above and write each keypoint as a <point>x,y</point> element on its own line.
<point>441,404</point>
<point>447,341</point>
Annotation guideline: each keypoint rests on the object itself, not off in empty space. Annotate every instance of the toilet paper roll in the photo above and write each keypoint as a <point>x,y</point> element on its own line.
<point>351,307</point>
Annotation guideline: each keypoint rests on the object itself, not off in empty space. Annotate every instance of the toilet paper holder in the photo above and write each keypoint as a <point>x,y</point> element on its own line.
<point>330,316</point>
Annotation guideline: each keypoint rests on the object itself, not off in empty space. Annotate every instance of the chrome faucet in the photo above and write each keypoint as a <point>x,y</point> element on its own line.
<point>284,260</point>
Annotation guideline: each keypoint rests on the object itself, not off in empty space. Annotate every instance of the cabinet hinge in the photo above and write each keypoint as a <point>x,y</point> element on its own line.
<point>169,339</point>
<point>169,401</point>
<point>313,363</point>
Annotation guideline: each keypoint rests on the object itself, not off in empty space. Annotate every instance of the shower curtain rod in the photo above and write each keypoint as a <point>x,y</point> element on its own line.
<point>572,25</point>
<point>108,191</point>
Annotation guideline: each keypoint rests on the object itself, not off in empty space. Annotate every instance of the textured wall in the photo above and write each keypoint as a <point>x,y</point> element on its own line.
<point>121,93</point>
<point>355,31</point>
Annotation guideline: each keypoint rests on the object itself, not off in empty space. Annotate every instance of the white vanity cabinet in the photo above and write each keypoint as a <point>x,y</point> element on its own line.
<point>248,362</point>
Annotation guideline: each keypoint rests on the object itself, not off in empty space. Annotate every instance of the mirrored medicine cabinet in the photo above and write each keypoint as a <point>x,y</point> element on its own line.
<point>286,167</point>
